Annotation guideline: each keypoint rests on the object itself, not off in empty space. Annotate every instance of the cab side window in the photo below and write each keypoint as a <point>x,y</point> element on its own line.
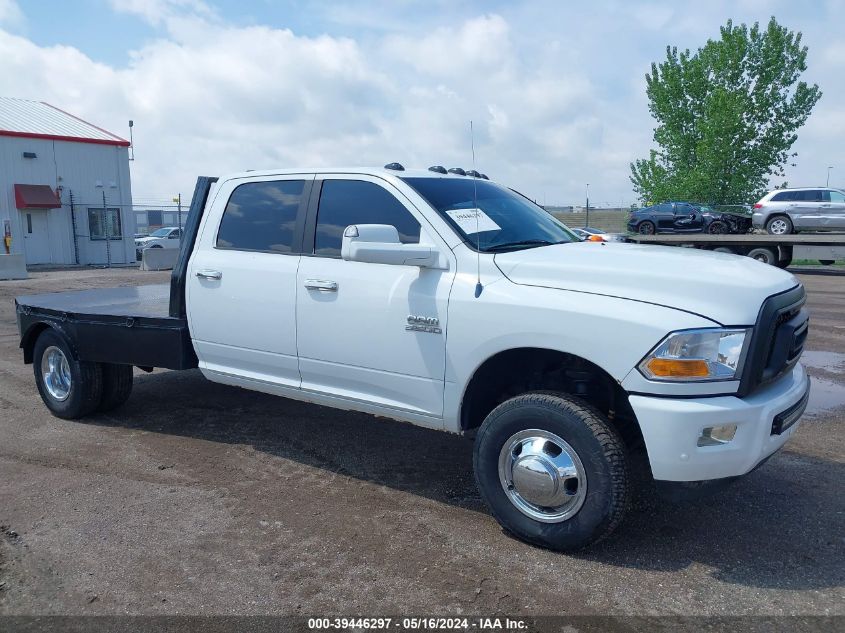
<point>261,216</point>
<point>345,202</point>
<point>837,196</point>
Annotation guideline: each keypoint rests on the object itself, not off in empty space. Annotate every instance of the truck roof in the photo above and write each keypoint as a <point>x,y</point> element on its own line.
<point>364,171</point>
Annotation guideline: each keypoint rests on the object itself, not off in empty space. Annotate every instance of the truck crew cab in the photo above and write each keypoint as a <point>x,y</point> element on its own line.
<point>449,301</point>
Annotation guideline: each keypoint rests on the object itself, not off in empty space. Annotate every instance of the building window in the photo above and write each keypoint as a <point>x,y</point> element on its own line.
<point>104,222</point>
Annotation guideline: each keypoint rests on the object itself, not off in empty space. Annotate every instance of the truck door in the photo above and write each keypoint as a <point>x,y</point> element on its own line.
<point>241,286</point>
<point>352,316</point>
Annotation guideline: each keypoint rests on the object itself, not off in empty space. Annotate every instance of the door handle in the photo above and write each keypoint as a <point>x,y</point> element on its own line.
<point>210,274</point>
<point>321,285</point>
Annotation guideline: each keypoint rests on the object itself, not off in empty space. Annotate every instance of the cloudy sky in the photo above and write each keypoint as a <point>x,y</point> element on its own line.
<point>556,90</point>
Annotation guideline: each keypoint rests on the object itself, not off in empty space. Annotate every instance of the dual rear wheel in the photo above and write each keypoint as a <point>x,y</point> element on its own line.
<point>71,388</point>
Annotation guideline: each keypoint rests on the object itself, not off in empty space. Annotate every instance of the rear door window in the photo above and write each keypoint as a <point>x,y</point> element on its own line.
<point>261,216</point>
<point>837,196</point>
<point>810,195</point>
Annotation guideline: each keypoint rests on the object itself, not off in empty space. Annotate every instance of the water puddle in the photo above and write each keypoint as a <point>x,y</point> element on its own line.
<point>824,396</point>
<point>828,361</point>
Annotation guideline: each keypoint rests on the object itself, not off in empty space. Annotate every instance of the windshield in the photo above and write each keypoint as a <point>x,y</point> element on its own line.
<point>160,233</point>
<point>489,217</point>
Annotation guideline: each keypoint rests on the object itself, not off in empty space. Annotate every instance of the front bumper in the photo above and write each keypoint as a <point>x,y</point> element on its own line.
<point>671,428</point>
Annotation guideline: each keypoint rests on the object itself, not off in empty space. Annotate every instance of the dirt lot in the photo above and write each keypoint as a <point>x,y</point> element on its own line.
<point>197,498</point>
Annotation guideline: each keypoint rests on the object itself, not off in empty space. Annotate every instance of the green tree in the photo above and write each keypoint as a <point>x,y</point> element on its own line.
<point>726,116</point>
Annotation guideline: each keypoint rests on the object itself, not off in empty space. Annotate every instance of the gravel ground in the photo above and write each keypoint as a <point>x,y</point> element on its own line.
<point>196,498</point>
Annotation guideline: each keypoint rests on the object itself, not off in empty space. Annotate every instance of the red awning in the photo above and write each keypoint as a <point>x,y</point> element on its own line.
<point>36,197</point>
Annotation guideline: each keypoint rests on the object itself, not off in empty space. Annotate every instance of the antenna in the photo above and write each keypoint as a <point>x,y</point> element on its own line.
<point>478,286</point>
<point>131,141</point>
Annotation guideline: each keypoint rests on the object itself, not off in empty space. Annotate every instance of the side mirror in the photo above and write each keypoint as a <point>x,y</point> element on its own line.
<point>380,244</point>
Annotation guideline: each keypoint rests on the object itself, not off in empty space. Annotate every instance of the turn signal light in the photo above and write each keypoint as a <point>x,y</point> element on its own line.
<point>595,238</point>
<point>678,368</point>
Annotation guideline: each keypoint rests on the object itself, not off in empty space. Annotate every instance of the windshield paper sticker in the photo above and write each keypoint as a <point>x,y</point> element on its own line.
<point>473,221</point>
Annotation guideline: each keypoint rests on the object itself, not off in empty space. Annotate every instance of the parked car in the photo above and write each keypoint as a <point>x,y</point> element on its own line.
<point>785,211</point>
<point>165,237</point>
<point>686,217</point>
<point>451,302</point>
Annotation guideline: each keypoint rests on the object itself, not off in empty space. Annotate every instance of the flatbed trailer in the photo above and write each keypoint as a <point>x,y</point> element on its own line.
<point>778,250</point>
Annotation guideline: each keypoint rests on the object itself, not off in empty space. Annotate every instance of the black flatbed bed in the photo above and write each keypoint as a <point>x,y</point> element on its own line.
<point>129,325</point>
<point>145,326</point>
<point>147,302</point>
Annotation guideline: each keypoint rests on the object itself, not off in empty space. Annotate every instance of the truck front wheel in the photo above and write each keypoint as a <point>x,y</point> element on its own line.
<point>70,388</point>
<point>552,470</point>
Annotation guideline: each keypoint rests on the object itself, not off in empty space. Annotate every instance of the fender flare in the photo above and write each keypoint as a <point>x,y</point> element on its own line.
<point>34,331</point>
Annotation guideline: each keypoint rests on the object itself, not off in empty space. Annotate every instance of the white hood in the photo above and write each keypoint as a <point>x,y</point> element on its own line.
<point>725,288</point>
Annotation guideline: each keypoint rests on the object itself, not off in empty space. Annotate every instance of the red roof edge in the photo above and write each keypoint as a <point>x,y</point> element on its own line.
<point>75,139</point>
<point>97,127</point>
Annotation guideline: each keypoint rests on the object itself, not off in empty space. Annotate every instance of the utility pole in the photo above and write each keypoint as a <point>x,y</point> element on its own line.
<point>131,141</point>
<point>587,220</point>
<point>827,184</point>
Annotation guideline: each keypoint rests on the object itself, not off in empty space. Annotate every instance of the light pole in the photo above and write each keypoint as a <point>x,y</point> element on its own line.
<point>178,201</point>
<point>587,219</point>
<point>828,176</point>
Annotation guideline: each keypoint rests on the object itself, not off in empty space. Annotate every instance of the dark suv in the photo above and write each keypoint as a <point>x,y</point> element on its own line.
<point>685,217</point>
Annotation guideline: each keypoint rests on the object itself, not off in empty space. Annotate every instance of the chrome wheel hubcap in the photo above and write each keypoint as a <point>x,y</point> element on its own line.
<point>542,476</point>
<point>55,371</point>
<point>778,227</point>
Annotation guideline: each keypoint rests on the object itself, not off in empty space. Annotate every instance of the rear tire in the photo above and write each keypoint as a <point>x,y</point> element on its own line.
<point>552,470</point>
<point>765,255</point>
<point>70,388</point>
<point>724,249</point>
<point>646,228</point>
<point>117,386</point>
<point>779,225</point>
<point>827,262</point>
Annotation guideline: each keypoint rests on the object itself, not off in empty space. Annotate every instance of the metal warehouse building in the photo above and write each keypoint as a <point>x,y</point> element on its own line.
<point>65,195</point>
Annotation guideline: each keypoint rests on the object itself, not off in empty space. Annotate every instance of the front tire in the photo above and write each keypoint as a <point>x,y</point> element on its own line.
<point>717,227</point>
<point>552,470</point>
<point>71,389</point>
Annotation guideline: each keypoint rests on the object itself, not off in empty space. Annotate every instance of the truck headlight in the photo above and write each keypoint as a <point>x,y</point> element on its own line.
<point>697,355</point>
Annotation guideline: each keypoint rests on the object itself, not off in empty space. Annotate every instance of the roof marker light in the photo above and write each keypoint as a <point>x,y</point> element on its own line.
<point>440,169</point>
<point>484,177</point>
<point>458,171</point>
<point>473,173</point>
<point>394,166</point>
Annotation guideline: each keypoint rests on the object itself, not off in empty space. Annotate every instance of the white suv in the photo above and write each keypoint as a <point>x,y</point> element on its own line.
<point>785,211</point>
